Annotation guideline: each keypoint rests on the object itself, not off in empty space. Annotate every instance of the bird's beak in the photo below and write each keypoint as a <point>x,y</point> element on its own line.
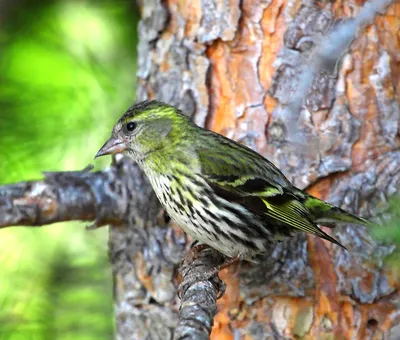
<point>112,146</point>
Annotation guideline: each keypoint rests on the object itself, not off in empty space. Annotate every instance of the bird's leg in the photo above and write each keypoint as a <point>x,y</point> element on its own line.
<point>209,274</point>
<point>194,251</point>
<point>199,264</point>
<point>228,263</point>
<point>215,271</point>
<point>198,248</point>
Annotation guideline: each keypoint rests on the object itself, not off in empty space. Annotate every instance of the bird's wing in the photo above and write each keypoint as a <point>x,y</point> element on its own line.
<point>240,175</point>
<point>274,207</point>
<point>226,162</point>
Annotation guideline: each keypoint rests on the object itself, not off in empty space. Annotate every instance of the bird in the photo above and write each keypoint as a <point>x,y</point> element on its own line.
<point>223,194</point>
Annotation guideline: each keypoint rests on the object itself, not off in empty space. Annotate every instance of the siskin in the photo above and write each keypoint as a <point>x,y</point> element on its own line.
<point>221,193</point>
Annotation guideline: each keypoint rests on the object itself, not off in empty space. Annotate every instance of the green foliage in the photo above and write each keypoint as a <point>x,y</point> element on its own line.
<point>67,71</point>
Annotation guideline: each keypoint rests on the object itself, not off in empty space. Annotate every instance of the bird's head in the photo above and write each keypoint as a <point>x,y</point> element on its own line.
<point>146,127</point>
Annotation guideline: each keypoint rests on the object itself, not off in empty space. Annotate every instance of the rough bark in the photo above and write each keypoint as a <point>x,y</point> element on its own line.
<point>237,67</point>
<point>240,68</point>
<point>198,305</point>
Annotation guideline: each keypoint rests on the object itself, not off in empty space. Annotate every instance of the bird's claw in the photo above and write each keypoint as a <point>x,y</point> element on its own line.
<point>210,275</point>
<point>200,264</point>
<point>194,252</point>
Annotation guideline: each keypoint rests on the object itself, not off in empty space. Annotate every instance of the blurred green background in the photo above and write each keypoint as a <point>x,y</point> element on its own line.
<point>67,72</point>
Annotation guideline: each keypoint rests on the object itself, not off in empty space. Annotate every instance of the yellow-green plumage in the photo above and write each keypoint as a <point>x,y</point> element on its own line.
<point>220,192</point>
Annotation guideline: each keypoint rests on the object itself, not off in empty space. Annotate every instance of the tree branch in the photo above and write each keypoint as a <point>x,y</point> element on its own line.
<point>199,297</point>
<point>103,197</point>
<point>64,196</point>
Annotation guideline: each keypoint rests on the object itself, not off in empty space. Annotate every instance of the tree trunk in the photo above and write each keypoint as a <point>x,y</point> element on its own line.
<point>235,66</point>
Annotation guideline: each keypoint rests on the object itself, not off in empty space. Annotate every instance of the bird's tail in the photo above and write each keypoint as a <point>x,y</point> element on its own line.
<point>330,215</point>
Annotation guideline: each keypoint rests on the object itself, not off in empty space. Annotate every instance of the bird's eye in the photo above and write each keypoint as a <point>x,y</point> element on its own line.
<point>130,126</point>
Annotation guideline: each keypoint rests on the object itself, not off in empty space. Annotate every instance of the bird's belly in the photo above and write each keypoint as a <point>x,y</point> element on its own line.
<point>203,232</point>
<point>208,223</point>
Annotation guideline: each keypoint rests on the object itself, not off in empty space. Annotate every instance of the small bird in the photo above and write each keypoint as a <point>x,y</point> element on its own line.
<point>221,193</point>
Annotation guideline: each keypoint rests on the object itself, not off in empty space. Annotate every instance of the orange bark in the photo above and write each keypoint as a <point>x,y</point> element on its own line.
<point>233,83</point>
<point>236,78</point>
